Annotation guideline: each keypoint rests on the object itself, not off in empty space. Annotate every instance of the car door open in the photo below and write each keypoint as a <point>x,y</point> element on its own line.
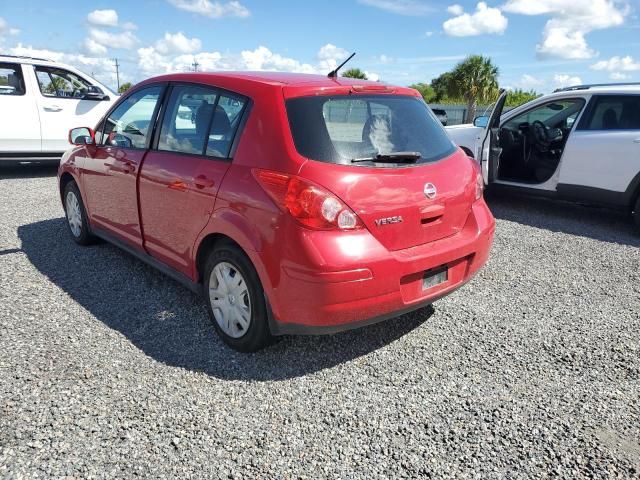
<point>490,149</point>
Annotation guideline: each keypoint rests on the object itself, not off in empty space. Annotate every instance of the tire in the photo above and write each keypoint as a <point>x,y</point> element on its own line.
<point>235,299</point>
<point>636,214</point>
<point>76,215</point>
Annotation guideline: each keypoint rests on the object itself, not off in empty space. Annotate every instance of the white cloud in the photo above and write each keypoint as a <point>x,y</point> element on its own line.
<point>529,82</point>
<point>94,48</point>
<point>374,77</point>
<point>212,9</point>
<point>428,34</point>
<point>455,9</point>
<point>153,62</point>
<point>618,76</point>
<point>564,34</point>
<point>561,80</point>
<point>129,26</point>
<point>400,7</point>
<point>264,59</point>
<point>5,29</point>
<point>625,64</point>
<point>125,40</point>
<point>177,43</point>
<point>330,56</point>
<point>485,20</point>
<point>103,18</point>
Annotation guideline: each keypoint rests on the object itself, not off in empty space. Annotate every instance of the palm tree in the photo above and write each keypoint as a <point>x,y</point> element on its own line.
<point>476,80</point>
<point>355,73</point>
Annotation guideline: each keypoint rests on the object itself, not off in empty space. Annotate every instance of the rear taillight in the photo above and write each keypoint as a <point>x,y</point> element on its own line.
<point>309,204</point>
<point>479,185</point>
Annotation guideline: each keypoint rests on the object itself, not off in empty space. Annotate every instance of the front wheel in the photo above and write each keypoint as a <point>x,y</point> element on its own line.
<point>235,299</point>
<point>76,215</point>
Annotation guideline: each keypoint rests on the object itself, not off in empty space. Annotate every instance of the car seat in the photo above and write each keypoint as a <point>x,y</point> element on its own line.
<point>14,81</point>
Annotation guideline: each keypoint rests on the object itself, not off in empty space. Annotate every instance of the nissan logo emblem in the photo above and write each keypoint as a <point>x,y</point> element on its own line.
<point>430,190</point>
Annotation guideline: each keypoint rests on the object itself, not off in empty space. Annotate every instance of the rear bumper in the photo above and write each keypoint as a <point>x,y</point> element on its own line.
<point>374,284</point>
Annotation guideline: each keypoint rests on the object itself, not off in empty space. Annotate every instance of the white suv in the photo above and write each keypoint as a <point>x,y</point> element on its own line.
<point>580,143</point>
<point>40,101</point>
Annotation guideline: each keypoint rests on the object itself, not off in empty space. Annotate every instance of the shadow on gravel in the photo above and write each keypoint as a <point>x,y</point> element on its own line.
<point>170,324</point>
<point>573,219</point>
<point>28,171</point>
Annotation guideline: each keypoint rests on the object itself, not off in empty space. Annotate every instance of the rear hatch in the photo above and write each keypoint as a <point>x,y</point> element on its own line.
<point>395,204</point>
<point>389,159</point>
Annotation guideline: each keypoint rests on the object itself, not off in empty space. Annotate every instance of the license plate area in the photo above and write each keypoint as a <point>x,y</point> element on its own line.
<point>435,276</point>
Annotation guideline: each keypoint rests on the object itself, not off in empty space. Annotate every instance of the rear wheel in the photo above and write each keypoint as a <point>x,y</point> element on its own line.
<point>235,299</point>
<point>76,215</point>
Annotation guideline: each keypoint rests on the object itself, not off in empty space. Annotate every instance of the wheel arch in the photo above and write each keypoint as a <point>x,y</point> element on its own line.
<point>634,191</point>
<point>208,243</point>
<point>65,179</point>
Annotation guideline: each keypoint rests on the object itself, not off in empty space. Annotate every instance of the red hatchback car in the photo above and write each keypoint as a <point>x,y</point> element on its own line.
<point>294,203</point>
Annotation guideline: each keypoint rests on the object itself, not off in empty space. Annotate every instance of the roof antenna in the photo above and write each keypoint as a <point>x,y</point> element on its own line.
<point>334,73</point>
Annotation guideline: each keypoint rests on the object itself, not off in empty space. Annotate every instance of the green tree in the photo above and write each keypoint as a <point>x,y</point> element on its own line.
<point>475,79</point>
<point>426,90</point>
<point>440,87</point>
<point>355,73</point>
<point>517,97</point>
<point>57,86</point>
<point>124,87</point>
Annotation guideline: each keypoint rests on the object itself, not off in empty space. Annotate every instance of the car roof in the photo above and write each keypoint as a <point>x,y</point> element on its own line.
<point>29,60</point>
<point>601,88</point>
<point>294,83</point>
<point>268,78</point>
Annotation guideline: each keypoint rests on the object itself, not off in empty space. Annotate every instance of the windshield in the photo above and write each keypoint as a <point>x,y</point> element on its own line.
<point>341,129</point>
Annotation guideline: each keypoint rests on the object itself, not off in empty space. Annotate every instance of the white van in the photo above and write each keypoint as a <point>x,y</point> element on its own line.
<point>40,101</point>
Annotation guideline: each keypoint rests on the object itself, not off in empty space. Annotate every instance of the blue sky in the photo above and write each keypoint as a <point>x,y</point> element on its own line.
<point>539,44</point>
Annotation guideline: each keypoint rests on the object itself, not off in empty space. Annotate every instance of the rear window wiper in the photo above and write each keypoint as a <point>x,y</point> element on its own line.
<point>391,157</point>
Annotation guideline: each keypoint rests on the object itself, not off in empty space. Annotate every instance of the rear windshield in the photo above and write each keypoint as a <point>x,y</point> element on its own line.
<point>338,129</point>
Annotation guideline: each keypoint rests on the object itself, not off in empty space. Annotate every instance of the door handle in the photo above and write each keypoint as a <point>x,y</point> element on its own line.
<point>201,181</point>
<point>637,140</point>
<point>127,167</point>
<point>53,108</point>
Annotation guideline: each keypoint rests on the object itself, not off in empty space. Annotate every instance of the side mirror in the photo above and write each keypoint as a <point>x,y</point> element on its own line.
<point>95,93</point>
<point>82,136</point>
<point>481,121</point>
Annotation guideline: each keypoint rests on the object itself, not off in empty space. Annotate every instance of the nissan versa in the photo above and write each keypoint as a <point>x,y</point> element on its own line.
<point>294,203</point>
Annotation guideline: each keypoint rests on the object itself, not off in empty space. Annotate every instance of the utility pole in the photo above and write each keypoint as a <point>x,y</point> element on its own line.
<point>117,73</point>
<point>195,65</point>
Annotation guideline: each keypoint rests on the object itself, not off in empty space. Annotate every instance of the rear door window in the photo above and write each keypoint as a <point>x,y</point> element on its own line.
<point>339,129</point>
<point>200,120</point>
<point>224,127</point>
<point>187,119</point>
<point>615,112</point>
<point>11,79</point>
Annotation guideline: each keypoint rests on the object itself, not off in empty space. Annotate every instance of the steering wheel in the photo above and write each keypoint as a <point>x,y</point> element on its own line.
<point>541,138</point>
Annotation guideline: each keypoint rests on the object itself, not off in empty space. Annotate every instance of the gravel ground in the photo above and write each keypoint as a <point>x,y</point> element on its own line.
<point>109,369</point>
